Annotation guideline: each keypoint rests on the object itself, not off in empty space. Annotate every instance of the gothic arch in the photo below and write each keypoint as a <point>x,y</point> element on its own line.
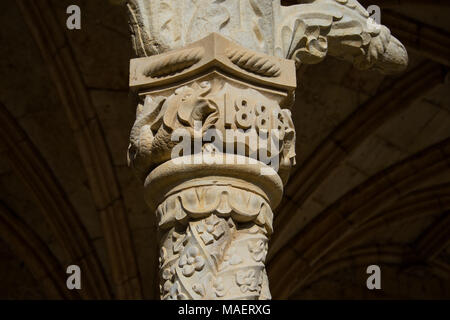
<point>91,143</point>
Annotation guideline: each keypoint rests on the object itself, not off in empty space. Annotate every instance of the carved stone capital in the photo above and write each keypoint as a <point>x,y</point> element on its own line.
<point>235,94</point>
<point>306,32</point>
<point>213,143</point>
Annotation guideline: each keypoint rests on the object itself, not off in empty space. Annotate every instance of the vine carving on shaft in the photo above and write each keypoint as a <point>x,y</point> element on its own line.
<point>213,257</point>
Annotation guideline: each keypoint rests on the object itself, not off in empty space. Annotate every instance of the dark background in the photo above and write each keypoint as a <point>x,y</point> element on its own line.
<point>371,185</point>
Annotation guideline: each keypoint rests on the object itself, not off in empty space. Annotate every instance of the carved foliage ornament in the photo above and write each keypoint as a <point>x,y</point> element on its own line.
<point>216,258</point>
<point>231,114</point>
<point>306,32</point>
<point>215,219</point>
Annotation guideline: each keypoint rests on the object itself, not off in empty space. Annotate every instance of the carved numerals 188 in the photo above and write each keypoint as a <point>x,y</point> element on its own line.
<point>246,114</point>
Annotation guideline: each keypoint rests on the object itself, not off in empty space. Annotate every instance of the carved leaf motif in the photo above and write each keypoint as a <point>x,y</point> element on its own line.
<point>210,229</point>
<point>191,261</point>
<point>175,292</point>
<point>173,63</point>
<point>206,269</point>
<point>258,250</point>
<point>247,280</point>
<point>254,62</point>
<point>190,104</point>
<point>170,29</point>
<point>219,287</point>
<point>306,32</point>
<point>242,206</point>
<point>208,15</point>
<point>162,256</point>
<point>148,119</point>
<point>199,289</point>
<point>341,28</point>
<point>157,117</point>
<point>207,238</point>
<point>231,257</point>
<point>179,241</point>
<point>306,43</point>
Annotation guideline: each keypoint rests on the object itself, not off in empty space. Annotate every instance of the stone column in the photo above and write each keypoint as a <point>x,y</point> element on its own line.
<point>211,133</point>
<point>213,140</point>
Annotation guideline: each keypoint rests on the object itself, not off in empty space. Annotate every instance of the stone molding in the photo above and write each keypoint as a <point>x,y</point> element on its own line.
<point>207,68</point>
<point>306,32</point>
<point>213,51</point>
<point>214,206</point>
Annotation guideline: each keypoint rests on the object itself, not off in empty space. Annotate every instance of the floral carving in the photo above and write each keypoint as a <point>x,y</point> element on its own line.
<point>218,286</point>
<point>208,15</point>
<point>212,285</point>
<point>210,229</point>
<point>162,256</point>
<point>191,261</point>
<point>156,119</point>
<point>231,257</point>
<point>173,63</point>
<point>175,293</point>
<point>224,200</point>
<point>179,240</point>
<point>168,275</point>
<point>306,32</point>
<point>208,272</point>
<point>258,250</point>
<point>199,289</point>
<point>254,62</point>
<point>161,25</point>
<point>190,104</point>
<point>247,280</point>
<point>171,288</point>
<point>225,211</point>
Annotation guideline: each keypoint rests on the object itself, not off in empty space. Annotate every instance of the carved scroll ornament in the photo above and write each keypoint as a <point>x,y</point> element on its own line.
<point>306,32</point>
<point>214,215</point>
<point>218,78</point>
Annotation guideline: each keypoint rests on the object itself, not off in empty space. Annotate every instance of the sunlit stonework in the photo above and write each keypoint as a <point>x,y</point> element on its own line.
<point>229,65</point>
